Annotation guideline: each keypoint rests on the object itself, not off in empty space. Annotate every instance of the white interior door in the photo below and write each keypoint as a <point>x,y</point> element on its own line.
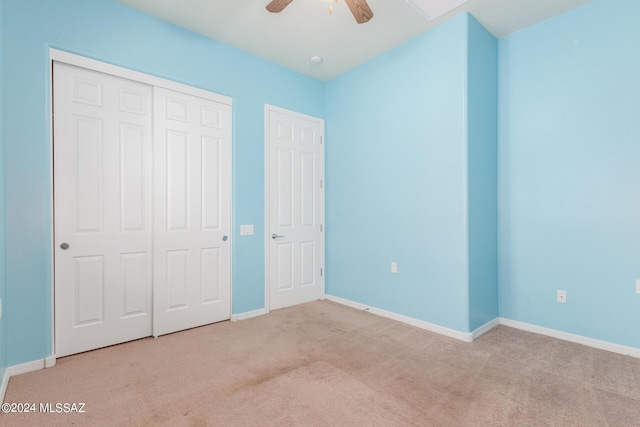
<point>295,172</point>
<point>192,199</point>
<point>102,209</point>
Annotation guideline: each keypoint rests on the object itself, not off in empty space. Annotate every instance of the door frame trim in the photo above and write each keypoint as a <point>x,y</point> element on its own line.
<point>56,55</point>
<point>149,79</point>
<point>268,109</point>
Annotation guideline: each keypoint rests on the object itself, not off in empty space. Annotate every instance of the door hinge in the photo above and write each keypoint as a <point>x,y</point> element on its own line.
<point>320,183</point>
<point>321,228</point>
<point>321,139</point>
<point>320,272</point>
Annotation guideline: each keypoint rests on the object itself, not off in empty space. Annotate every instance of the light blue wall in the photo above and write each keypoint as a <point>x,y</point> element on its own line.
<point>3,323</point>
<point>482,160</point>
<point>409,160</point>
<point>108,31</point>
<point>396,179</point>
<point>569,175</point>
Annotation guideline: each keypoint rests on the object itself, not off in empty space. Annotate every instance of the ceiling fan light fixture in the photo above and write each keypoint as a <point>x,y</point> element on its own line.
<point>434,9</point>
<point>331,6</point>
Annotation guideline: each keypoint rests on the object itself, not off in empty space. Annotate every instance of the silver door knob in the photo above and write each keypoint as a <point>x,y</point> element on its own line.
<point>224,238</point>
<point>64,246</point>
<point>274,236</point>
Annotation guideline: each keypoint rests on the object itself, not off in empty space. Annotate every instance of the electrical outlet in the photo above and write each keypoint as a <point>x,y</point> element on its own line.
<point>394,267</point>
<point>638,286</point>
<point>562,297</point>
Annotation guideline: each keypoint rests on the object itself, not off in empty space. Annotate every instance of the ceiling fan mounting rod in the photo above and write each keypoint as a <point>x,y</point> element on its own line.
<point>359,8</point>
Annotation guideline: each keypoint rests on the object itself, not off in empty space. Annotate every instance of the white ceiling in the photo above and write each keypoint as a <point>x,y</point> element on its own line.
<point>305,28</point>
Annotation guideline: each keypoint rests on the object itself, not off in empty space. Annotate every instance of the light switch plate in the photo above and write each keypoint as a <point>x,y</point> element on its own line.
<point>246,230</point>
<point>637,286</point>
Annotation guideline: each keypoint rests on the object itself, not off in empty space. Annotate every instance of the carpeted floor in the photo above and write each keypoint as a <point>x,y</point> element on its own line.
<point>322,364</point>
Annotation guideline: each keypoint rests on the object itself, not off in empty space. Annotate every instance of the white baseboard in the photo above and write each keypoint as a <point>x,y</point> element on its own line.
<point>24,368</point>
<point>469,337</point>
<point>578,339</point>
<point>249,315</point>
<point>452,333</point>
<point>50,361</point>
<point>4,384</point>
<point>484,329</point>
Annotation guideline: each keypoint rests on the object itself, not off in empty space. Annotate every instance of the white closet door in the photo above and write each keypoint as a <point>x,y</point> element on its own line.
<point>192,208</point>
<point>103,219</point>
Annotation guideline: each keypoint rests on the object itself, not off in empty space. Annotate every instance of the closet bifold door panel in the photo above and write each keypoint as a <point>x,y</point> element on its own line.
<point>142,208</point>
<point>192,214</point>
<point>102,218</point>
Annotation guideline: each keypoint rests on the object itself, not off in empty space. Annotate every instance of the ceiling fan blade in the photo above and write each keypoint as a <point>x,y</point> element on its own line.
<point>276,6</point>
<point>360,10</point>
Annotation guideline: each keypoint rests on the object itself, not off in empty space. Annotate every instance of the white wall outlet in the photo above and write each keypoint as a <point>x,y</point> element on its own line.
<point>638,286</point>
<point>246,230</point>
<point>394,267</point>
<point>562,297</point>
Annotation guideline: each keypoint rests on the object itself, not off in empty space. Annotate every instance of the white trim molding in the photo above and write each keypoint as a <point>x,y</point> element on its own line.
<point>477,333</point>
<point>578,339</point>
<point>50,361</point>
<point>4,384</point>
<point>452,333</point>
<point>248,315</point>
<point>104,67</point>
<point>472,336</point>
<point>24,368</point>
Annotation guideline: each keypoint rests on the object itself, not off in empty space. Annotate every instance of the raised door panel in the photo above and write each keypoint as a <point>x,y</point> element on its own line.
<point>177,263</point>
<point>211,277</point>
<point>88,292</point>
<point>211,181</point>
<point>88,201</point>
<point>284,188</point>
<point>135,276</point>
<point>133,175</point>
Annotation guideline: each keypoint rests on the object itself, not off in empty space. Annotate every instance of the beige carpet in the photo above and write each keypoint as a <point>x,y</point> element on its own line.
<point>322,364</point>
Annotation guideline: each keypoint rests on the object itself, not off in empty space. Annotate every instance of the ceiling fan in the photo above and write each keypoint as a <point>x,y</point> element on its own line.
<point>359,8</point>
